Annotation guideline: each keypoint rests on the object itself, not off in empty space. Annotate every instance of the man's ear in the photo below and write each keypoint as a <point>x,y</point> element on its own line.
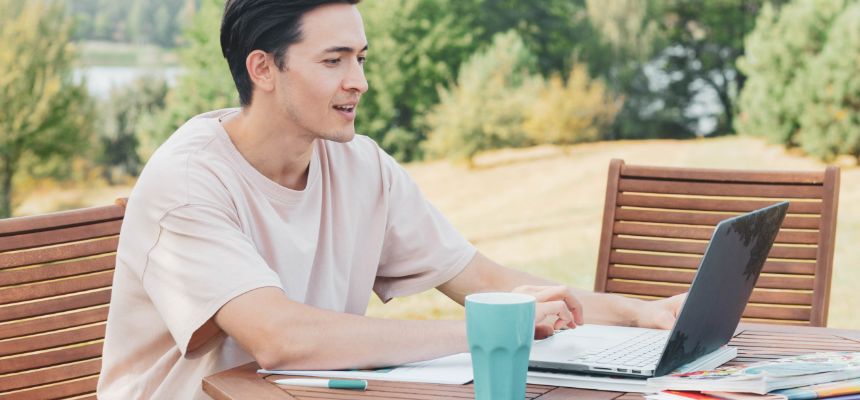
<point>261,70</point>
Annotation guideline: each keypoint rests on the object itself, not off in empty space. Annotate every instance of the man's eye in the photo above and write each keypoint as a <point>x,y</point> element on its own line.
<point>332,61</point>
<point>362,60</point>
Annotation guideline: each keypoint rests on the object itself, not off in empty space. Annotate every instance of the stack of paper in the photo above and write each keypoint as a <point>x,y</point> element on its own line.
<point>767,376</point>
<point>840,390</point>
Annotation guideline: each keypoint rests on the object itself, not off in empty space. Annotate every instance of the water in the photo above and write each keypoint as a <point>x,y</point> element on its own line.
<point>102,79</point>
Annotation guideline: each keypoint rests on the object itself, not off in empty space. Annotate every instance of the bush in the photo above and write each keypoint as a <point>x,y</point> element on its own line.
<point>778,50</point>
<point>830,92</point>
<point>803,89</point>
<point>579,111</point>
<point>487,107</point>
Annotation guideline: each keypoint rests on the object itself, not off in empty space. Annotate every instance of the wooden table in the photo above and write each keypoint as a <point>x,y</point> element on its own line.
<point>754,342</point>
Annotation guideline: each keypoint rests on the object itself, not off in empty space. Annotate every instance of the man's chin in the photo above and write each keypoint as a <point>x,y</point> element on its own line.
<point>341,137</point>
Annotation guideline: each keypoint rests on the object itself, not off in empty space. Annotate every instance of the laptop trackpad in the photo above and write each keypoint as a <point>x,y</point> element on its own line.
<point>569,344</point>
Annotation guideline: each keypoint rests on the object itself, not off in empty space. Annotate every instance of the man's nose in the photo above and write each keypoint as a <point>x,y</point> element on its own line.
<point>355,80</point>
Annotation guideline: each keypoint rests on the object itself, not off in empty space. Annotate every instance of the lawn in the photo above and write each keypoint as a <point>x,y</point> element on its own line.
<point>539,209</point>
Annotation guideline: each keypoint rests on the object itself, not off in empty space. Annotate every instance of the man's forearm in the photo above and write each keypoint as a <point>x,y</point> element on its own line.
<point>282,334</point>
<point>483,274</point>
<point>350,341</point>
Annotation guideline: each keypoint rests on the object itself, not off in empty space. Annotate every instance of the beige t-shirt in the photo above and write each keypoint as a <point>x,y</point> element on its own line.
<point>203,226</point>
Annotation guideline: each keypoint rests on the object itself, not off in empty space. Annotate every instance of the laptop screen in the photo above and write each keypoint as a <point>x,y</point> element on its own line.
<point>723,284</point>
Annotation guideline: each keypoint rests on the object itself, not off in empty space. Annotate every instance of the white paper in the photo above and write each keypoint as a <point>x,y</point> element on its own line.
<point>454,369</point>
<point>457,370</point>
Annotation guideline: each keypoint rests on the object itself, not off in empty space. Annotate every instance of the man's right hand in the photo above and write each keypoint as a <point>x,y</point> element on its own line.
<point>556,308</point>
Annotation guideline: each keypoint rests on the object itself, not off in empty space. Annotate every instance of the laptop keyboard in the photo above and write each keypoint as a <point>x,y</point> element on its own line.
<point>640,351</point>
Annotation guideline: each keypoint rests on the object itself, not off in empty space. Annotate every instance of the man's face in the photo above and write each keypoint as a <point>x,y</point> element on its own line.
<point>323,78</point>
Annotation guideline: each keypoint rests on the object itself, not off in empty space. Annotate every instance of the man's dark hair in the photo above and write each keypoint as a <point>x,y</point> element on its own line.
<point>268,25</point>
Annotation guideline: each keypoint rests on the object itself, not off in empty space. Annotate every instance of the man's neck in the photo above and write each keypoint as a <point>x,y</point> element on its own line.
<point>278,154</point>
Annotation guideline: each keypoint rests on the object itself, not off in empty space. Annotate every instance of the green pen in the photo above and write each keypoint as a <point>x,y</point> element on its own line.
<point>353,384</point>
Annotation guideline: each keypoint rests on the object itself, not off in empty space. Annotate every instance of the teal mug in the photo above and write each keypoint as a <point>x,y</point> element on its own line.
<point>500,328</point>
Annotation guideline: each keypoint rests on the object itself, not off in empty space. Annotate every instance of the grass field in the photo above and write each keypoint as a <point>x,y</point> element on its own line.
<point>539,210</point>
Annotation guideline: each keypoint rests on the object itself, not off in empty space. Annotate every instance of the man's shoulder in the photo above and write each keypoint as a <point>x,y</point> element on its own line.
<point>193,136</point>
<point>191,160</point>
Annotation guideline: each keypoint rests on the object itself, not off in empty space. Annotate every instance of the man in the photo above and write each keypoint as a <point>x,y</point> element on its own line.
<point>258,233</point>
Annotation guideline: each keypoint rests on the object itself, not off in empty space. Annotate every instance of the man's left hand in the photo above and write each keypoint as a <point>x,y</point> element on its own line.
<point>659,314</point>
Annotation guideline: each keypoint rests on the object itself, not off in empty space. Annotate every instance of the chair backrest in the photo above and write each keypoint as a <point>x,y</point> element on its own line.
<point>657,222</point>
<point>56,272</point>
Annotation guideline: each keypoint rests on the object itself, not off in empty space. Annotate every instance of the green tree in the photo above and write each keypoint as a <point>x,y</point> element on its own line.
<point>778,51</point>
<point>487,107</point>
<point>415,47</point>
<point>627,27</point>
<point>553,30</point>
<point>663,56</point>
<point>135,21</point>
<point>629,37</point>
<point>828,92</point>
<point>120,116</point>
<point>206,83</point>
<point>44,115</point>
<point>706,39</point>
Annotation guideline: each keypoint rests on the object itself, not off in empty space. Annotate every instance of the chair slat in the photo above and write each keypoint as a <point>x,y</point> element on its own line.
<point>65,235</point>
<point>49,375</point>
<point>646,289</point>
<point>52,305</point>
<point>686,261</point>
<point>58,270</point>
<point>661,290</point>
<point>15,226</point>
<point>741,360</point>
<point>789,297</point>
<point>712,204</point>
<point>721,175</point>
<point>766,281</point>
<point>53,339</point>
<point>759,190</point>
<point>58,253</point>
<point>59,390</point>
<point>702,233</point>
<point>51,322</point>
<point>781,313</point>
<point>51,357</point>
<point>689,218</point>
<point>57,287</point>
<point>675,246</point>
<point>84,397</point>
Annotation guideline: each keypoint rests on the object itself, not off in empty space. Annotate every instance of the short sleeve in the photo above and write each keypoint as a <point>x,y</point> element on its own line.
<point>421,249</point>
<point>201,260</point>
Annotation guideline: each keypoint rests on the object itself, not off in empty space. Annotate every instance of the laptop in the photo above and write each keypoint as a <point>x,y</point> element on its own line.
<point>718,295</point>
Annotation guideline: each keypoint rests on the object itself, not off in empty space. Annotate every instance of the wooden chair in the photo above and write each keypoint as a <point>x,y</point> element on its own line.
<point>657,222</point>
<point>56,272</point>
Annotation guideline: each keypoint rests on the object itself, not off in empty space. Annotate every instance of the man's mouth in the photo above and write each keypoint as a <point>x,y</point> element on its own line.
<point>345,108</point>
